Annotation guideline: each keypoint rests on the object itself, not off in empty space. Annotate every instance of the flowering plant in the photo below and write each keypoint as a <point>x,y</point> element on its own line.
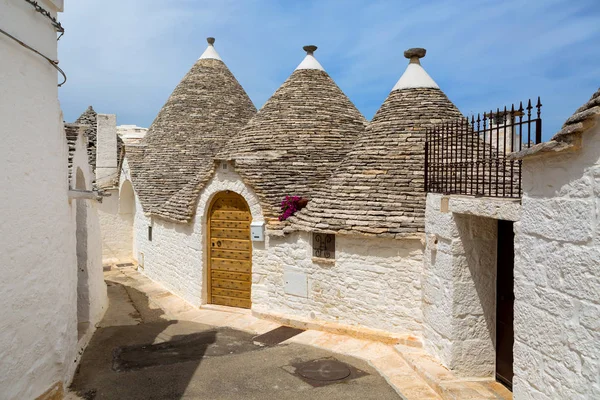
<point>290,205</point>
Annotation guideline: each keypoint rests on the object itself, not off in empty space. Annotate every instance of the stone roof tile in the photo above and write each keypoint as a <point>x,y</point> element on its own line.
<point>205,110</point>
<point>296,140</point>
<point>379,187</point>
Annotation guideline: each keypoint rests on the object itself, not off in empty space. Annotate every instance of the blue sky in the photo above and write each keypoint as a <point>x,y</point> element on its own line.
<point>125,57</point>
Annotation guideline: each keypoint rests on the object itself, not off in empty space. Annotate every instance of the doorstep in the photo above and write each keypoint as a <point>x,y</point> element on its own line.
<point>445,383</point>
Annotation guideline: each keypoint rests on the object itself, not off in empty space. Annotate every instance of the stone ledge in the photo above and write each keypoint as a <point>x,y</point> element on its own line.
<point>496,208</point>
<point>445,383</point>
<point>375,335</point>
<point>323,261</point>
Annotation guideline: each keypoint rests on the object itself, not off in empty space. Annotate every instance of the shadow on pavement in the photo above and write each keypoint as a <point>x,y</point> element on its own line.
<point>125,362</point>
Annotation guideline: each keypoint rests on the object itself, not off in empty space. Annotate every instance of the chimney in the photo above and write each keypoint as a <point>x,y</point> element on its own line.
<point>106,149</point>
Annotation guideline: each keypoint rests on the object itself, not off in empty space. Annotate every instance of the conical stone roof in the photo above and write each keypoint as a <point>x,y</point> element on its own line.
<point>379,187</point>
<point>297,139</point>
<point>89,119</point>
<point>205,110</point>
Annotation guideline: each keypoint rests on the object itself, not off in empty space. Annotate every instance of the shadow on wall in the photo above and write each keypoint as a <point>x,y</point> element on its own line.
<point>479,238</point>
<point>122,361</point>
<point>83,289</point>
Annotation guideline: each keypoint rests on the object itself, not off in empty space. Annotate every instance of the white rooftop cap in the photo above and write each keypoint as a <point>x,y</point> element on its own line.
<point>210,51</point>
<point>415,76</point>
<point>310,62</point>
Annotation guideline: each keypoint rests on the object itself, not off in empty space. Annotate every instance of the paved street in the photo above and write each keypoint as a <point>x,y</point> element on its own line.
<point>140,352</point>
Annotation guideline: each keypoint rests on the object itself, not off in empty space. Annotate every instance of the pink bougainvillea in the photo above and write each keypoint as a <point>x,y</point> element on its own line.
<point>290,205</point>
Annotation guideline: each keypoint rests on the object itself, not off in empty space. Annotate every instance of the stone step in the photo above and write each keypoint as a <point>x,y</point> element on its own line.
<point>445,383</point>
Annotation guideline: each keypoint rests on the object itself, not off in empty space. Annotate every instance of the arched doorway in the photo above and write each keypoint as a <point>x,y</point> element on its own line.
<point>229,251</point>
<point>81,235</point>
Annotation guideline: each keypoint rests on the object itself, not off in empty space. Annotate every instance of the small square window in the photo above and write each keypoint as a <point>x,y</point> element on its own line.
<point>324,246</point>
<point>150,233</point>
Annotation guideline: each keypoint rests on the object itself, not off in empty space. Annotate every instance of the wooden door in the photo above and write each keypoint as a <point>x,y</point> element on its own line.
<point>505,299</point>
<point>230,251</point>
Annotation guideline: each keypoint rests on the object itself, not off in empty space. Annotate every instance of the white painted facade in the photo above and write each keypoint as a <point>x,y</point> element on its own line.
<point>92,300</point>
<point>116,214</point>
<point>374,283</point>
<point>38,289</point>
<point>557,275</point>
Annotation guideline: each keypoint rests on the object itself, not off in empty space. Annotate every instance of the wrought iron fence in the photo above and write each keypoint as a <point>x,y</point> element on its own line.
<point>468,156</point>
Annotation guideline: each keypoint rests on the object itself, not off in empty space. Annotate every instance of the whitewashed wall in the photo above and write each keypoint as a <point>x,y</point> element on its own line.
<point>459,296</point>
<point>557,276</point>
<point>374,283</point>
<point>92,300</point>
<point>38,335</point>
<point>116,214</point>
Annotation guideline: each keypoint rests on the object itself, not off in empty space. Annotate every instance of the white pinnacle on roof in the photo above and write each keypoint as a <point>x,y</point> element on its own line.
<point>210,51</point>
<point>415,76</point>
<point>310,62</point>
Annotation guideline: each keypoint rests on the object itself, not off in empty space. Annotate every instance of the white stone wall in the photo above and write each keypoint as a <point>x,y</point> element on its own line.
<point>375,283</point>
<point>459,296</point>
<point>557,276</point>
<point>92,300</point>
<point>116,214</point>
<point>38,333</point>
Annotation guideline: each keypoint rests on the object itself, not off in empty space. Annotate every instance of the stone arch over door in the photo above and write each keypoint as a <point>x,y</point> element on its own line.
<point>225,179</point>
<point>229,250</point>
<point>81,234</point>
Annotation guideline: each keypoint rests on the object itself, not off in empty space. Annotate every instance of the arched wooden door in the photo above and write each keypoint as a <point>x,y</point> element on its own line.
<point>230,251</point>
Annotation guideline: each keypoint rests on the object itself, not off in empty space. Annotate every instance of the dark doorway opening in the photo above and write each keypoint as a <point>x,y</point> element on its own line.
<point>505,299</point>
